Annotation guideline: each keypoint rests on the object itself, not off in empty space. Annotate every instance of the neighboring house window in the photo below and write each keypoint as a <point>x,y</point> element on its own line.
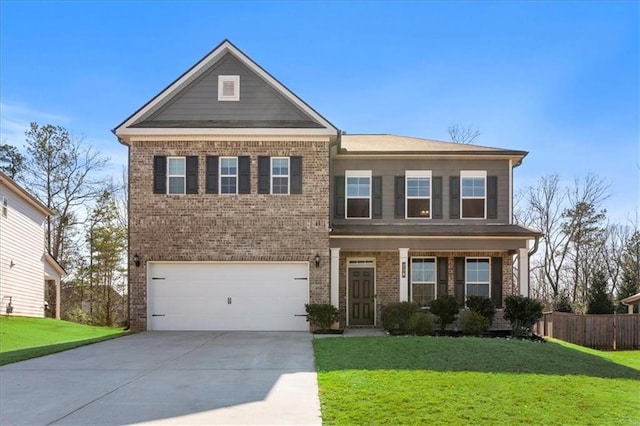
<point>177,175</point>
<point>423,280</point>
<point>477,278</point>
<point>5,206</point>
<point>228,175</point>
<point>280,175</point>
<point>358,191</point>
<point>228,87</point>
<point>473,194</point>
<point>418,193</point>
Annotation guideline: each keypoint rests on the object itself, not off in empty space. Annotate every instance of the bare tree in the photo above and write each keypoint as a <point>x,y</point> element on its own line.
<point>463,134</point>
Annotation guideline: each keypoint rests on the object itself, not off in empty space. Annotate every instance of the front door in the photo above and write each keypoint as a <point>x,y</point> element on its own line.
<point>361,300</point>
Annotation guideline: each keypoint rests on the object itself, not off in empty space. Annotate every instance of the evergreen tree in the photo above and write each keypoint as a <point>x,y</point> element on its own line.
<point>598,301</point>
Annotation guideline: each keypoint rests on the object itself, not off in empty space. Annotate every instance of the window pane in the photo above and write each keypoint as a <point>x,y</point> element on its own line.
<point>473,208</point>
<point>176,185</point>
<point>418,207</point>
<point>228,185</point>
<point>473,187</point>
<point>423,270</point>
<point>176,166</point>
<point>418,187</point>
<point>280,185</point>
<point>478,290</point>
<point>423,294</point>
<point>358,207</point>
<point>280,166</point>
<point>228,166</point>
<point>358,186</point>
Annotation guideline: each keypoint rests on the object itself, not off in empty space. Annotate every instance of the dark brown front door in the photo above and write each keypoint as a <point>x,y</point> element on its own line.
<point>361,298</point>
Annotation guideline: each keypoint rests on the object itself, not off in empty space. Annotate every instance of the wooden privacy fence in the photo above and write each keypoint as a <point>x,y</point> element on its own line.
<point>604,332</point>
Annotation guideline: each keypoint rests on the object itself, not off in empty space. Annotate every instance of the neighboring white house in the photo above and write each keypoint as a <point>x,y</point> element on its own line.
<point>24,264</point>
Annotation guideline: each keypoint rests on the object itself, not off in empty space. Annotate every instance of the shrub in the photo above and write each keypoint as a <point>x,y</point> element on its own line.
<point>598,301</point>
<point>420,324</point>
<point>322,315</point>
<point>445,308</point>
<point>473,323</point>
<point>562,302</point>
<point>77,315</point>
<point>522,312</point>
<point>483,306</point>
<point>396,315</point>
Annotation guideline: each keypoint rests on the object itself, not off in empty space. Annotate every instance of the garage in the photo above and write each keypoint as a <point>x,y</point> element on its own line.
<point>267,296</point>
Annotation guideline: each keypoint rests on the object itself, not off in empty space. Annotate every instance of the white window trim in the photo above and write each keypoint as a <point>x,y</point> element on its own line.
<point>357,174</point>
<point>473,174</point>
<point>288,175</point>
<point>435,276</point>
<point>466,292</point>
<point>416,174</point>
<point>183,176</point>
<point>5,207</point>
<point>220,176</point>
<point>236,84</point>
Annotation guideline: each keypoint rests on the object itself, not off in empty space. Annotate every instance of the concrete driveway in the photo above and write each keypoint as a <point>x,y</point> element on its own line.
<point>168,378</point>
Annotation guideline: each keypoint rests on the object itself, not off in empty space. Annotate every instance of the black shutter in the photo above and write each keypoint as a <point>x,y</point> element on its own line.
<point>376,192</point>
<point>454,197</point>
<point>296,175</point>
<point>244,175</point>
<point>192,175</point>
<point>443,276</point>
<point>264,175</point>
<point>399,197</point>
<point>211,179</point>
<point>496,281</point>
<point>458,277</point>
<point>492,197</point>
<point>338,197</point>
<point>436,198</point>
<point>159,174</point>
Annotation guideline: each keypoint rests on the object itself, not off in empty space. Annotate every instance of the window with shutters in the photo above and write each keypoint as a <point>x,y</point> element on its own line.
<point>279,175</point>
<point>423,280</point>
<point>228,87</point>
<point>228,175</point>
<point>473,194</point>
<point>176,175</point>
<point>418,194</point>
<point>358,194</point>
<point>477,279</point>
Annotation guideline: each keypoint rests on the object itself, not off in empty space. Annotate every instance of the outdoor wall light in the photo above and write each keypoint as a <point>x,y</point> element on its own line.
<point>136,260</point>
<point>317,260</point>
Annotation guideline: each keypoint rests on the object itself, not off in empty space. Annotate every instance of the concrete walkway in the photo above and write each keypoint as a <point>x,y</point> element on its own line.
<point>168,378</point>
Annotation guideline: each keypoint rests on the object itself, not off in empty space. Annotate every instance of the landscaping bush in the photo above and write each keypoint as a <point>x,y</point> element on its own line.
<point>445,308</point>
<point>483,306</point>
<point>522,312</point>
<point>396,315</point>
<point>473,323</point>
<point>322,315</point>
<point>420,324</point>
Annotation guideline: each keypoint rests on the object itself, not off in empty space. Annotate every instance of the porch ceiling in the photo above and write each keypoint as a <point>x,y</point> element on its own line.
<point>434,230</point>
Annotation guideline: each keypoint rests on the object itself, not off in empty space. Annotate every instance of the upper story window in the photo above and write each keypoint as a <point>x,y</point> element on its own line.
<point>177,175</point>
<point>477,277</point>
<point>358,194</point>
<point>473,185</point>
<point>423,280</point>
<point>418,192</point>
<point>279,175</point>
<point>5,206</point>
<point>228,87</point>
<point>228,175</point>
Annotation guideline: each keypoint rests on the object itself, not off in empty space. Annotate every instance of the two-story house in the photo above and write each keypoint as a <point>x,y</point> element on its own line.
<point>245,204</point>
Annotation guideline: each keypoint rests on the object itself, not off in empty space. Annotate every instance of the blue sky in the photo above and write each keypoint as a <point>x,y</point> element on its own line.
<point>558,79</point>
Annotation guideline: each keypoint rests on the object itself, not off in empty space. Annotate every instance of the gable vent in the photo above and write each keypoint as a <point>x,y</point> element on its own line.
<point>228,87</point>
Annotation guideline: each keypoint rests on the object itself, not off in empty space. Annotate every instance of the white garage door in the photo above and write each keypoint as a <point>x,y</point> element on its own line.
<point>227,296</point>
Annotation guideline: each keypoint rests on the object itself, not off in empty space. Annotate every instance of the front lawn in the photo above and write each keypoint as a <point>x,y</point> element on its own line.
<point>23,338</point>
<point>440,380</point>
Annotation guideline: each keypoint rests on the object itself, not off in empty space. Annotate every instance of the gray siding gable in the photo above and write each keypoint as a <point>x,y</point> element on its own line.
<point>260,104</point>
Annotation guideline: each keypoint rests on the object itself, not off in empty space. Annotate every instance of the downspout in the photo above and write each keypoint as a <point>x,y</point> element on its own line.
<point>128,228</point>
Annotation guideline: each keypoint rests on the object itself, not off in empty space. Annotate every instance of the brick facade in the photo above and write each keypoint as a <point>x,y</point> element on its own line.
<point>215,227</point>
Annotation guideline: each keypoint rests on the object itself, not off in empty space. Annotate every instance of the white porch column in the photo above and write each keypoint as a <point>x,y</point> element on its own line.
<point>335,277</point>
<point>404,273</point>
<point>57,299</point>
<point>523,271</point>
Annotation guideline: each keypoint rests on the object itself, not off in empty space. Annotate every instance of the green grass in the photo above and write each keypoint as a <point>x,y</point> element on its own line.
<point>24,338</point>
<point>419,380</point>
